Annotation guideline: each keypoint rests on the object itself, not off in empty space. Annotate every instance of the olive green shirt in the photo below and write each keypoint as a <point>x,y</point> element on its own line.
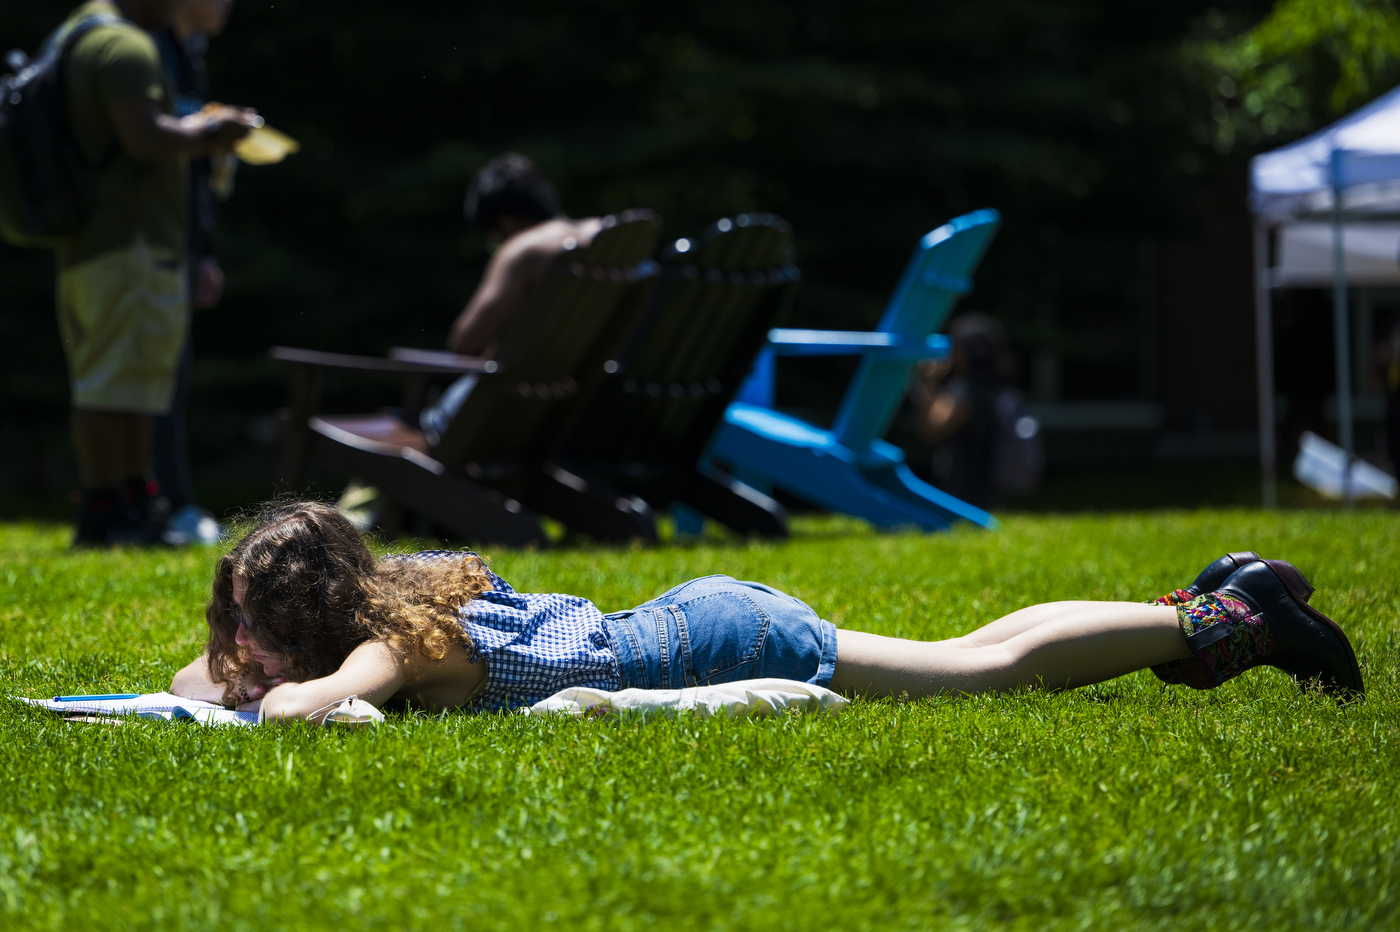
<point>134,198</point>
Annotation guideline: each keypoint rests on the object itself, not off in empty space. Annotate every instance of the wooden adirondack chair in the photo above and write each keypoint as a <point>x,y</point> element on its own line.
<point>488,478</point>
<point>645,429</point>
<point>849,468</point>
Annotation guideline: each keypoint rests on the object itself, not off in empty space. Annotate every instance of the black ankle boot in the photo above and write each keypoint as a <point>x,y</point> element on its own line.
<point>99,510</point>
<point>1190,671</point>
<point>1258,618</point>
<point>1306,644</point>
<point>138,525</point>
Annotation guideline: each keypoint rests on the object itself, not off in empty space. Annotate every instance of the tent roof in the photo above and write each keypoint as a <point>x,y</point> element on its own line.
<point>1296,180</point>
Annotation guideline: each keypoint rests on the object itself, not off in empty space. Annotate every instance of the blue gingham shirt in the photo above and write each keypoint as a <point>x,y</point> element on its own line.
<point>533,644</point>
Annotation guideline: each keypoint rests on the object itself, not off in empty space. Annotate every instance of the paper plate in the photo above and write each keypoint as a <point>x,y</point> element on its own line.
<point>265,146</point>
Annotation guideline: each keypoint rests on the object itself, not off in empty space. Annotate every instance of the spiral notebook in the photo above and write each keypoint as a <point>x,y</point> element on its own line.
<point>150,706</point>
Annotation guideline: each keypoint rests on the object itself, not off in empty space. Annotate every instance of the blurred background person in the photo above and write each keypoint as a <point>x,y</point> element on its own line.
<point>966,406</point>
<point>122,298</point>
<point>518,208</point>
<point>1385,374</point>
<point>182,48</point>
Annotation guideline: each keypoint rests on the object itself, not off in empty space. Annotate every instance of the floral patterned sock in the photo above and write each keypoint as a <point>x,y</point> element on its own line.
<point>1188,671</point>
<point>1175,597</point>
<point>1224,634</point>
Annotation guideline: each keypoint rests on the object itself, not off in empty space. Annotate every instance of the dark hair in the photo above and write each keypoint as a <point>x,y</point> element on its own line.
<point>510,184</point>
<point>980,347</point>
<point>314,592</point>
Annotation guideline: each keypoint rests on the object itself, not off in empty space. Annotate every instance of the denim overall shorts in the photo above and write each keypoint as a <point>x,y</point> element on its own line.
<point>716,629</point>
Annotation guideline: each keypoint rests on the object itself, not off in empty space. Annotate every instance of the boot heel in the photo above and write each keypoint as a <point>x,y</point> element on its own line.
<point>1294,581</point>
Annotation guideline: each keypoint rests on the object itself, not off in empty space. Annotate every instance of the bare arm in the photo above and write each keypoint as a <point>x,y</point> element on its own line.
<point>511,273</point>
<point>940,412</point>
<point>194,682</point>
<point>944,418</point>
<point>145,133</point>
<point>926,381</point>
<point>373,671</point>
<point>377,673</point>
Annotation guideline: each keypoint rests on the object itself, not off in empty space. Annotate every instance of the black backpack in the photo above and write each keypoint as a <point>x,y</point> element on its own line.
<point>46,185</point>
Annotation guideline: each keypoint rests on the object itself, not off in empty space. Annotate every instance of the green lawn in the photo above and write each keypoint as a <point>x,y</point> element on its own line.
<point>1122,806</point>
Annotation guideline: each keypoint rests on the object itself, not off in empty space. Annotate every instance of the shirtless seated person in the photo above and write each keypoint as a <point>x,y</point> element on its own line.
<point>519,209</point>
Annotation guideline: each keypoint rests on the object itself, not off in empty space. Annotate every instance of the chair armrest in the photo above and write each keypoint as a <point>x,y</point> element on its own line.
<point>877,344</point>
<point>316,358</point>
<point>444,360</point>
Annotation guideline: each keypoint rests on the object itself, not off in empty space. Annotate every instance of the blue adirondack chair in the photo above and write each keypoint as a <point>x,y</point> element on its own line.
<point>849,468</point>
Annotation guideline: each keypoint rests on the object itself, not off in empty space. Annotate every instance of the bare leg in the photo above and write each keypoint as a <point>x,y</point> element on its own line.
<point>111,446</point>
<point>1018,622</point>
<point>1086,642</point>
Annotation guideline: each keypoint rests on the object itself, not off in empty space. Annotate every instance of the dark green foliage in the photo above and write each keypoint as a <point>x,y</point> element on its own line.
<point>1305,64</point>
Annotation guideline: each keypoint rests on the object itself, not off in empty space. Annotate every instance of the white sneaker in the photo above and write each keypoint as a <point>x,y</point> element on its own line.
<point>193,525</point>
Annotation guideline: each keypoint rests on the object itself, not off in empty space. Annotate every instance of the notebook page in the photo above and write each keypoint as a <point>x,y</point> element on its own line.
<point>151,702</point>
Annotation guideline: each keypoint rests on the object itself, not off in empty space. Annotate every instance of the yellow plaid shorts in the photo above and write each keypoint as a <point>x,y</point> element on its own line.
<point>124,316</point>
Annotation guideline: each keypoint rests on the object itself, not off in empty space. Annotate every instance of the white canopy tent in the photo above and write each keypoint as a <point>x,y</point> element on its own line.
<point>1349,174</point>
<point>1303,255</point>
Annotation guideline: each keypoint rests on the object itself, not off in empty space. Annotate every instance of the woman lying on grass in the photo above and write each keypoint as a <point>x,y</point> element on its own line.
<point>303,615</point>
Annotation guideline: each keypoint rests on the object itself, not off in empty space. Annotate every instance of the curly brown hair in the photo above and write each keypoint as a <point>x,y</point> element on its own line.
<point>313,591</point>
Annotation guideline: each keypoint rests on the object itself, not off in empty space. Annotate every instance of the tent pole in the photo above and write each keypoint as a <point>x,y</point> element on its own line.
<point>1340,324</point>
<point>1264,367</point>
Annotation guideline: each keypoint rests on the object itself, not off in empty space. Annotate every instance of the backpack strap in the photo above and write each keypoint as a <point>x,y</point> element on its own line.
<point>61,41</point>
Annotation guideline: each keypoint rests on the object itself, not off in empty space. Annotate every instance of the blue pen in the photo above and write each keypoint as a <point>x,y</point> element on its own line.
<point>104,696</point>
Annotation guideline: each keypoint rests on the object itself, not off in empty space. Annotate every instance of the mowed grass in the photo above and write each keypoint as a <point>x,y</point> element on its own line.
<point>1122,806</point>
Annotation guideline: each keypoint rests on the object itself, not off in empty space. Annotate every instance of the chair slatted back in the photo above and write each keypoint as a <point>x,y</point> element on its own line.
<point>553,348</point>
<point>717,298</point>
<point>939,273</point>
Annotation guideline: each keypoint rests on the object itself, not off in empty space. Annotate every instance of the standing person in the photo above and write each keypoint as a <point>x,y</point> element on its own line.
<point>122,301</point>
<point>182,49</point>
